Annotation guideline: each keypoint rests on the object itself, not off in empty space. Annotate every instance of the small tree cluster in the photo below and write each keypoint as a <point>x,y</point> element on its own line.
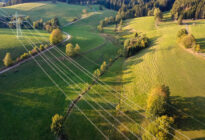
<point>57,125</point>
<point>157,101</point>
<point>102,69</point>
<point>187,40</point>
<point>97,73</point>
<point>133,45</point>
<point>105,22</point>
<point>157,108</point>
<point>49,26</point>
<point>71,50</point>
<point>38,24</point>
<point>33,52</point>
<point>161,129</point>
<point>52,24</point>
<point>56,37</point>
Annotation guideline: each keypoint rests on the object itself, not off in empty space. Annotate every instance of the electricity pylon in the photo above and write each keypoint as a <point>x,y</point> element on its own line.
<point>18,26</point>
<point>17,22</point>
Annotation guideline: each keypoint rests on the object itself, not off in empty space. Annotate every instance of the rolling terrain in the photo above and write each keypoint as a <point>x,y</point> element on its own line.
<point>30,96</point>
<point>167,63</point>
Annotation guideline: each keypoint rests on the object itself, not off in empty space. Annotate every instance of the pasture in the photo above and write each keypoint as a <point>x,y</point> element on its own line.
<point>32,99</point>
<point>167,63</point>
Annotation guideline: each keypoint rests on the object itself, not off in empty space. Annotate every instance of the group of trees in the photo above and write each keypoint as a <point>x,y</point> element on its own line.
<point>26,23</point>
<point>187,40</point>
<point>158,109</point>
<point>71,50</point>
<point>57,126</point>
<point>55,38</point>
<point>8,59</point>
<point>133,45</point>
<point>49,25</point>
<point>102,69</point>
<point>189,9</point>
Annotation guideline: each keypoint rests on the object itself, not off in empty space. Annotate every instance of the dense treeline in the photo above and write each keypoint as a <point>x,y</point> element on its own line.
<point>189,9</point>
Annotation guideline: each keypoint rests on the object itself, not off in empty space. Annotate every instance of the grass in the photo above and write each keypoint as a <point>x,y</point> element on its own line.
<point>28,99</point>
<point>10,43</point>
<point>167,63</point>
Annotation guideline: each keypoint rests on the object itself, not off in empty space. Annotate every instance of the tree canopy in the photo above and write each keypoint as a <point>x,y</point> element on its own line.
<point>56,37</point>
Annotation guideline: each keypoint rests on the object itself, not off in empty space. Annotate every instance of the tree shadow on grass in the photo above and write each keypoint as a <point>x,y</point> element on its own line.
<point>199,138</point>
<point>190,112</point>
<point>201,41</point>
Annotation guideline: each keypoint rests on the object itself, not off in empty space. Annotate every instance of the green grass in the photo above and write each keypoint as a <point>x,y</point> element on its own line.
<point>167,63</point>
<point>48,10</point>
<point>28,99</point>
<point>10,43</point>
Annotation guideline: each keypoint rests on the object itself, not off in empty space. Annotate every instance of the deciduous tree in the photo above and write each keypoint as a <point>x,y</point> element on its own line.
<point>7,60</point>
<point>56,37</point>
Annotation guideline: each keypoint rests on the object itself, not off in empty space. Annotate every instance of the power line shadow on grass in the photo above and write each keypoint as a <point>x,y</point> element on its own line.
<point>194,109</point>
<point>199,138</point>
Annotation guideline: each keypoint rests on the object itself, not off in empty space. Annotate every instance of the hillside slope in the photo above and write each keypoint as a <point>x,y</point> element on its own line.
<point>166,63</point>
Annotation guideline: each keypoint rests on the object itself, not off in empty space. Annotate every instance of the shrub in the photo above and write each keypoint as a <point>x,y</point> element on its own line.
<point>161,128</point>
<point>7,60</point>
<point>182,32</point>
<point>24,56</point>
<point>188,41</point>
<point>77,49</point>
<point>96,73</point>
<point>70,49</point>
<point>56,37</point>
<point>41,48</point>
<point>197,48</point>
<point>57,125</point>
<point>100,28</point>
<point>157,101</point>
<point>103,66</point>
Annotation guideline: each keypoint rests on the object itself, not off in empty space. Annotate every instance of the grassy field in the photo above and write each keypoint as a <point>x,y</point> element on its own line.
<point>28,99</point>
<point>167,63</point>
<point>10,43</point>
<point>48,10</point>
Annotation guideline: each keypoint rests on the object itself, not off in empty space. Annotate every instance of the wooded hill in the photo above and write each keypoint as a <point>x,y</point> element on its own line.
<point>189,9</point>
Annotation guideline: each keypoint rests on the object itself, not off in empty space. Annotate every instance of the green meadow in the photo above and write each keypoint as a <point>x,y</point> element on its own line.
<point>28,99</point>
<point>164,62</point>
<point>10,43</point>
<point>32,99</point>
